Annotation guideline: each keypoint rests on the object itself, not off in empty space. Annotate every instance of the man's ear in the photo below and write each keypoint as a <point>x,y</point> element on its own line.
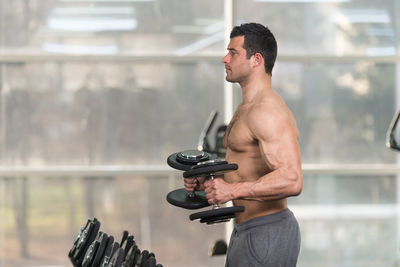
<point>258,60</point>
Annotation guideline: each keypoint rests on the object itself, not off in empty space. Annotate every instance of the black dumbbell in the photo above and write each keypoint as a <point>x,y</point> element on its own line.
<point>132,257</point>
<point>184,161</point>
<point>96,250</point>
<point>82,242</point>
<point>210,169</point>
<point>117,258</point>
<point>108,253</point>
<point>105,241</point>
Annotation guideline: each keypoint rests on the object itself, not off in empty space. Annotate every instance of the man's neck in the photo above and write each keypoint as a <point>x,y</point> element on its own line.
<point>253,86</point>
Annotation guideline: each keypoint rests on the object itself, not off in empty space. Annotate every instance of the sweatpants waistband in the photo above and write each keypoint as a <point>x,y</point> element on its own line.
<point>267,219</point>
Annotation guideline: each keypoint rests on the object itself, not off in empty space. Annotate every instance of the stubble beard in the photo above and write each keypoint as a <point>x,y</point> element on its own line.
<point>230,78</point>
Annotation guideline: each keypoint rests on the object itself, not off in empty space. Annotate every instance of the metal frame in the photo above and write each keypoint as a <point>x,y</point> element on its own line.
<point>38,57</point>
<point>163,170</point>
<point>391,141</point>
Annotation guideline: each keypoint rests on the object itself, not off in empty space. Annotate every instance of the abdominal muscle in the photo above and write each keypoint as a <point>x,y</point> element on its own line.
<point>251,168</point>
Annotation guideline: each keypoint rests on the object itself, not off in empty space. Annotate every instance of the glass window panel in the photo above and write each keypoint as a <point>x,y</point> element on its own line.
<point>336,189</point>
<point>68,113</point>
<point>342,109</point>
<point>327,27</point>
<point>112,27</point>
<point>343,218</point>
<point>41,231</point>
<point>336,228</point>
<point>105,114</point>
<point>339,242</point>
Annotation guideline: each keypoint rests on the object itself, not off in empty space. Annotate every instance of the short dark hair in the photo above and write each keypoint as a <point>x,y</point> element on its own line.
<point>258,39</point>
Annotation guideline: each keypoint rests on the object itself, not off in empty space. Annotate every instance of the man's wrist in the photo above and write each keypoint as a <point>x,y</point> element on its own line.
<point>240,190</point>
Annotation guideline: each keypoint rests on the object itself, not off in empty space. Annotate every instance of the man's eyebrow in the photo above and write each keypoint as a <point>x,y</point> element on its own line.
<point>232,49</point>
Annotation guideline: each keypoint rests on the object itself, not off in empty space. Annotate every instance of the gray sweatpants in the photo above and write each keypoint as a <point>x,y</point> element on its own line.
<point>272,240</point>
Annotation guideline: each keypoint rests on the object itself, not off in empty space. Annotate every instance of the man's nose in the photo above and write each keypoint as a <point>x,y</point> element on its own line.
<point>225,59</point>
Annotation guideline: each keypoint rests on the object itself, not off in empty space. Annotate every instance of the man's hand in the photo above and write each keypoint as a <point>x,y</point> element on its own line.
<point>194,184</point>
<point>218,191</point>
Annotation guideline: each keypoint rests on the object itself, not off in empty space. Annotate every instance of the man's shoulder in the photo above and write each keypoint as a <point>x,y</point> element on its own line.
<point>268,108</point>
<point>269,115</point>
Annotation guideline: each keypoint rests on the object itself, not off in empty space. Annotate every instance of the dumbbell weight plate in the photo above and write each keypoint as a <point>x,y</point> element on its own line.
<point>105,242</point>
<point>85,240</point>
<point>90,254</point>
<point>210,167</point>
<point>181,198</point>
<point>216,215</point>
<point>185,160</point>
<point>218,219</point>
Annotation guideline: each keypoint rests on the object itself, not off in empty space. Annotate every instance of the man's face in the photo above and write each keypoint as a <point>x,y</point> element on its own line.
<point>237,66</point>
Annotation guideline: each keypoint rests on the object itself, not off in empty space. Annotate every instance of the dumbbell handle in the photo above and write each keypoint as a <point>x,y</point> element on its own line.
<point>192,194</point>
<point>212,177</point>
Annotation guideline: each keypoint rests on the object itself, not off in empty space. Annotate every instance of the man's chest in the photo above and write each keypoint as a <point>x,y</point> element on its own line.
<point>238,136</point>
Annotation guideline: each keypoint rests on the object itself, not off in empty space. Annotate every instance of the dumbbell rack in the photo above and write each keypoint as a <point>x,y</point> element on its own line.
<point>93,248</point>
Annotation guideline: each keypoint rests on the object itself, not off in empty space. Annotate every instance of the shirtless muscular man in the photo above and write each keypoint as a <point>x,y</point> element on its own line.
<point>262,138</point>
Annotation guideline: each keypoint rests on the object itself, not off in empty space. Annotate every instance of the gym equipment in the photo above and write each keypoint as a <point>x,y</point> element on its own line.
<point>85,237</point>
<point>110,250</point>
<point>96,250</point>
<point>210,169</point>
<point>117,258</point>
<point>143,258</point>
<point>127,241</point>
<point>132,257</point>
<point>124,238</point>
<point>219,149</point>
<point>204,144</point>
<point>148,259</point>
<point>390,134</point>
<point>93,248</point>
<point>184,161</point>
<point>87,261</point>
<point>220,247</point>
<point>105,241</point>
<point>149,262</point>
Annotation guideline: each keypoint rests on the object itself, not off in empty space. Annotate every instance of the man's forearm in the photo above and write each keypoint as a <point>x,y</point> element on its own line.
<point>271,186</point>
